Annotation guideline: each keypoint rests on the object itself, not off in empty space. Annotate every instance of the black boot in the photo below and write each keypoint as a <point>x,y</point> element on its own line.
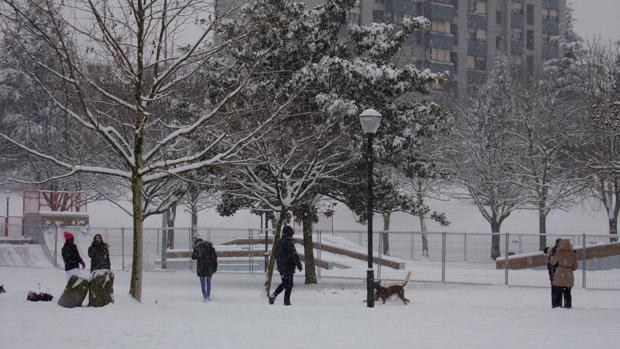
<point>271,299</point>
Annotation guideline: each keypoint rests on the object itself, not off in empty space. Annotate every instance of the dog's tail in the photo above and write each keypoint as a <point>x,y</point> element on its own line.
<point>406,279</point>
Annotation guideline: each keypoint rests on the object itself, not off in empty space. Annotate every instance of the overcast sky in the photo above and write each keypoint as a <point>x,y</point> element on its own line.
<point>595,17</point>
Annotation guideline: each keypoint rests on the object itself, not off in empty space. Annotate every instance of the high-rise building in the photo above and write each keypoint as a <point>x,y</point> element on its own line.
<point>466,35</point>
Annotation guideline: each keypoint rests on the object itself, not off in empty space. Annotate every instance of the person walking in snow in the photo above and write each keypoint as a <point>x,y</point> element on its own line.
<point>99,254</point>
<point>206,265</point>
<point>71,256</point>
<point>286,261</point>
<point>550,252</point>
<point>565,262</point>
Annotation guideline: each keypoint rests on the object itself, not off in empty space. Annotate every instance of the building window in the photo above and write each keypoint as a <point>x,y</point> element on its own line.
<point>438,25</point>
<point>477,34</point>
<point>498,42</point>
<point>517,6</point>
<point>530,40</point>
<point>440,55</point>
<point>529,61</point>
<point>550,14</point>
<point>517,60</point>
<point>530,14</point>
<point>550,40</point>
<point>378,16</point>
<point>478,7</point>
<point>498,17</point>
<point>380,1</point>
<point>517,34</point>
<point>476,63</point>
<point>447,2</point>
<point>354,18</point>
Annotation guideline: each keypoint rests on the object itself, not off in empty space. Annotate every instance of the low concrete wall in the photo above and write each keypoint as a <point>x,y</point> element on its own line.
<point>599,257</point>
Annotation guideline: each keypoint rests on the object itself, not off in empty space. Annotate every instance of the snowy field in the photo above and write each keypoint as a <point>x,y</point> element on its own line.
<point>330,315</point>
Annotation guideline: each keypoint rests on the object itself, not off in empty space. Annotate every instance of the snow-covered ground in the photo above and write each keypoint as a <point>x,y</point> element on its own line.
<point>330,315</point>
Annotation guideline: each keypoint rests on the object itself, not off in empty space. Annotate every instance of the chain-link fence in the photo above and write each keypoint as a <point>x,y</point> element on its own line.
<point>434,256</point>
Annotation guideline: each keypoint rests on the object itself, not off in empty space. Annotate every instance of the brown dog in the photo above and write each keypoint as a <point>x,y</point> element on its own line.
<point>385,292</point>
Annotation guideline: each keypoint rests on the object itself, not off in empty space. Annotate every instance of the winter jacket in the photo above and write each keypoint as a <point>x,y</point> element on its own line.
<point>286,255</point>
<point>99,256</point>
<point>71,255</point>
<point>206,256</point>
<point>565,261</point>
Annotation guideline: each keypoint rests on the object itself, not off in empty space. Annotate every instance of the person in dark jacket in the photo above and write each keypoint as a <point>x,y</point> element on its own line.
<point>550,252</point>
<point>286,261</point>
<point>206,265</point>
<point>565,262</point>
<point>71,256</point>
<point>99,254</point>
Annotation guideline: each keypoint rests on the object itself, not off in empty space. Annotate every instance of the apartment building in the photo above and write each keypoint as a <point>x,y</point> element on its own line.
<point>466,35</point>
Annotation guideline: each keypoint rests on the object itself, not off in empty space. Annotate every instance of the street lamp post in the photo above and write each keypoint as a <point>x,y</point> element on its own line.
<point>370,120</point>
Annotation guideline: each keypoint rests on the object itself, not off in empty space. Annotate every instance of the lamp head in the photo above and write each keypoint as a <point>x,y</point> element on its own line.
<point>370,120</point>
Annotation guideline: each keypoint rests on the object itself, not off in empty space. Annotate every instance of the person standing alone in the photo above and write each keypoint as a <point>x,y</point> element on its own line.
<point>286,261</point>
<point>205,255</point>
<point>565,261</point>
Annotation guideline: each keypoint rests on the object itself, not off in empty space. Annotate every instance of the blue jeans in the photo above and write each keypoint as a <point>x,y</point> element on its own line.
<point>205,285</point>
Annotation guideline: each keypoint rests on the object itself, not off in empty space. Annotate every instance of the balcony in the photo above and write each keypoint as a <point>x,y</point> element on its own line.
<point>517,20</point>
<point>439,40</point>
<point>477,21</point>
<point>554,4</point>
<point>476,48</point>
<point>439,11</point>
<point>442,67</point>
<point>550,52</point>
<point>406,6</point>
<point>516,46</point>
<point>551,27</point>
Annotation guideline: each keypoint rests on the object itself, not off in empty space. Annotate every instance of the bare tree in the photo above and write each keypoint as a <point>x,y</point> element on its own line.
<point>123,110</point>
<point>483,150</point>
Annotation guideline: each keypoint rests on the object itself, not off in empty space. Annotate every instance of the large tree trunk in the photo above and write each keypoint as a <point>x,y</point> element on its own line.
<point>171,217</point>
<point>542,227</point>
<point>385,236</point>
<point>423,228</point>
<point>495,238</point>
<point>194,213</point>
<point>613,223</point>
<point>135,288</point>
<point>164,241</point>
<point>309,250</point>
<point>272,255</point>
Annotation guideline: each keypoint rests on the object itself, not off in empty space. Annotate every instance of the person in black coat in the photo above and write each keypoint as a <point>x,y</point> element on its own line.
<point>99,254</point>
<point>286,261</point>
<point>206,265</point>
<point>550,252</point>
<point>71,256</point>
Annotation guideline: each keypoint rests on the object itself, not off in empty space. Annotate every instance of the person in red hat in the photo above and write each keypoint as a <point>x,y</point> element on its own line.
<point>71,256</point>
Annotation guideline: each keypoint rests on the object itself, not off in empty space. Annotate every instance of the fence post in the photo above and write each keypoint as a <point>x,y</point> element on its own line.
<point>412,244</point>
<point>506,257</point>
<point>520,244</point>
<point>319,249</point>
<point>380,252</point>
<point>56,247</point>
<point>123,249</point>
<point>583,262</point>
<point>443,256</point>
<point>465,247</point>
<point>251,249</point>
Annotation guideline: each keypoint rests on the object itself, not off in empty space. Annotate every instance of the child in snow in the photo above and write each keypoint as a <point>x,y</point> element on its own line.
<point>71,256</point>
<point>286,259</point>
<point>565,261</point>
<point>99,254</point>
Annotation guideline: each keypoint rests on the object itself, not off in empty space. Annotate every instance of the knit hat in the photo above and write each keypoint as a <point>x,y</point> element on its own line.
<point>68,235</point>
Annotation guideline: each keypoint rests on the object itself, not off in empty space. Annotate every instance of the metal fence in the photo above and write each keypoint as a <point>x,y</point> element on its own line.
<point>448,257</point>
